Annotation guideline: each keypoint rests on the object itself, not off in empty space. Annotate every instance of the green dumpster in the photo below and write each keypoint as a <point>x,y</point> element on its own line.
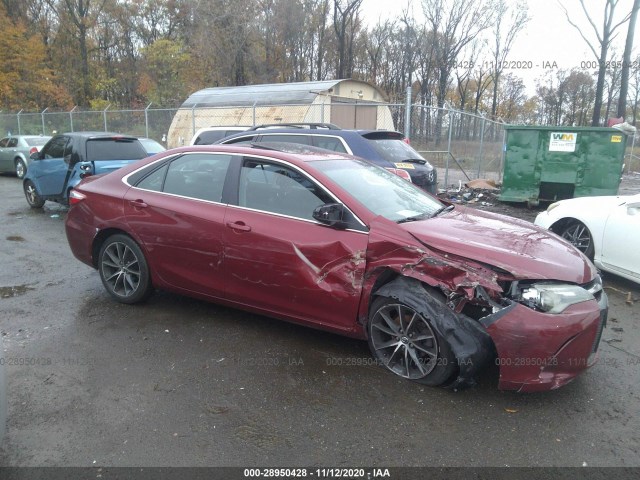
<point>554,163</point>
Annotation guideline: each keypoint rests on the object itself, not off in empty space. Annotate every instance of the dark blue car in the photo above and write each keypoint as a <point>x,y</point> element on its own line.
<point>69,157</point>
<point>385,148</point>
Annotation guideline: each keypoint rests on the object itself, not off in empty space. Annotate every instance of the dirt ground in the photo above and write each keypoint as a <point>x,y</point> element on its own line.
<point>488,199</point>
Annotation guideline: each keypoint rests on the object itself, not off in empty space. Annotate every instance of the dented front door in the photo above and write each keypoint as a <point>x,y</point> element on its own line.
<point>280,260</point>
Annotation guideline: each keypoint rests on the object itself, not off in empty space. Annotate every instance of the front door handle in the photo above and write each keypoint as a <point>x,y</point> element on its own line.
<point>138,204</point>
<point>239,226</point>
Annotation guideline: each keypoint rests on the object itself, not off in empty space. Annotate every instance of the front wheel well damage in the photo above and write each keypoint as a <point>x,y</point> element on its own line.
<point>467,337</point>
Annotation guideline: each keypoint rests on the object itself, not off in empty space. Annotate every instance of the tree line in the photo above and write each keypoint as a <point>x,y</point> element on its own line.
<point>128,54</point>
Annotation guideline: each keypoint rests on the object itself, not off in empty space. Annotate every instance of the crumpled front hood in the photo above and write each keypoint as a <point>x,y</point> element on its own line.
<point>519,247</point>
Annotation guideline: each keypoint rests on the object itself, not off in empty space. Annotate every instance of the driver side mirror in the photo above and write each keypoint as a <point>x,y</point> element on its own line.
<point>35,156</point>
<point>331,214</point>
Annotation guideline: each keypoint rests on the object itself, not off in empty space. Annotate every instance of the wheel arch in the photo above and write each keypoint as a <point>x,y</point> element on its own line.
<point>558,226</point>
<point>468,339</point>
<point>100,238</point>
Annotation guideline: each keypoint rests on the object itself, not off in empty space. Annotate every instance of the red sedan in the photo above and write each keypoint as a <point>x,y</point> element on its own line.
<point>334,242</point>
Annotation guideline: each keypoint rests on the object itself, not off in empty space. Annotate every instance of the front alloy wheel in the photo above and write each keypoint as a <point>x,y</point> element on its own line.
<point>578,235</point>
<point>123,270</point>
<point>33,198</point>
<point>405,342</point>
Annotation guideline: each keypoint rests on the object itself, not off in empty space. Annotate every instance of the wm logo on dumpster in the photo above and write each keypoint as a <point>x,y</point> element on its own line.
<point>566,137</point>
<point>563,141</point>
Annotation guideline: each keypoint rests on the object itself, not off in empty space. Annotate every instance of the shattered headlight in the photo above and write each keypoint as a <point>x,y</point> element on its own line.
<point>554,297</point>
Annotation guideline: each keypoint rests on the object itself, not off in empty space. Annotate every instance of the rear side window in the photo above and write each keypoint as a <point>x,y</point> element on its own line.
<point>115,149</point>
<point>303,139</point>
<point>241,140</point>
<point>329,143</point>
<point>212,136</point>
<point>199,176</point>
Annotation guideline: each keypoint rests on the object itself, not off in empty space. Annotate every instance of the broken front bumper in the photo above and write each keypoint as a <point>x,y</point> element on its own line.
<point>539,351</point>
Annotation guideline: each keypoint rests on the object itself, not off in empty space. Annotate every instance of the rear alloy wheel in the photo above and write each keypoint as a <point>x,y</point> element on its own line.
<point>21,168</point>
<point>579,236</point>
<point>33,198</point>
<point>405,342</point>
<point>123,270</point>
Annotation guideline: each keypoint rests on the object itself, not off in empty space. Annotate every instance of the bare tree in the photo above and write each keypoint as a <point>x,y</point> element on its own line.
<point>456,23</point>
<point>345,16</point>
<point>509,21</point>
<point>600,49</point>
<point>626,61</point>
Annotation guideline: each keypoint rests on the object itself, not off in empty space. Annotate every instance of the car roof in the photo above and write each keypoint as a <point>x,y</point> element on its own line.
<point>314,132</point>
<point>91,134</point>
<point>291,152</point>
<point>28,136</point>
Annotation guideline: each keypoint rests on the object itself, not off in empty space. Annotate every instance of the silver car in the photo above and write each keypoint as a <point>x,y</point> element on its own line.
<point>15,151</point>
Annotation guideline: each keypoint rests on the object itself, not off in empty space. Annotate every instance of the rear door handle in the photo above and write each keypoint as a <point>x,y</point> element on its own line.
<point>239,226</point>
<point>138,204</point>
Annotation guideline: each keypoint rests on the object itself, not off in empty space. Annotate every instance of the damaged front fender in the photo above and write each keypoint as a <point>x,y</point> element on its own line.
<point>469,341</point>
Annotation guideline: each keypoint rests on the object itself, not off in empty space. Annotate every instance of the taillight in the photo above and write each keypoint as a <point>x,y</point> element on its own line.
<point>406,140</point>
<point>401,173</point>
<point>76,197</point>
<point>33,150</point>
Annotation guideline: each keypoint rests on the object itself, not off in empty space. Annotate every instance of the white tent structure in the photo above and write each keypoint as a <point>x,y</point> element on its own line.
<point>346,103</point>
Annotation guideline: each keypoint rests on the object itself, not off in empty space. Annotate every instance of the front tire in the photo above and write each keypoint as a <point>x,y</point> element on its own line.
<point>405,342</point>
<point>579,236</point>
<point>123,270</point>
<point>21,168</point>
<point>31,193</point>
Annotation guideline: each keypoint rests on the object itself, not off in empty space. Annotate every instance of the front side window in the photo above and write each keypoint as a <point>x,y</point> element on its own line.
<point>55,148</point>
<point>3,142</point>
<point>276,188</point>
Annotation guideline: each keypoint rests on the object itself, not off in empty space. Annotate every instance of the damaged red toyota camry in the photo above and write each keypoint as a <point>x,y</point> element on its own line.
<point>334,242</point>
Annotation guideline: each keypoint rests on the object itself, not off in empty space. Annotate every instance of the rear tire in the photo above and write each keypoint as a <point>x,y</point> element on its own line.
<point>123,270</point>
<point>31,193</point>
<point>405,342</point>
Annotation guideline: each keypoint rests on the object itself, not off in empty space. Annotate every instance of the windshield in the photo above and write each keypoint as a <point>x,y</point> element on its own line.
<point>395,150</point>
<point>382,192</point>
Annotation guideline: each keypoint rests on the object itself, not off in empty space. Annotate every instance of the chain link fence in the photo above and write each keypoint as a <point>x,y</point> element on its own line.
<point>462,146</point>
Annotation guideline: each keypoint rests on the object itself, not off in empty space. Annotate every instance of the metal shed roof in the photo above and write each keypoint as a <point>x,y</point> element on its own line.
<point>269,94</point>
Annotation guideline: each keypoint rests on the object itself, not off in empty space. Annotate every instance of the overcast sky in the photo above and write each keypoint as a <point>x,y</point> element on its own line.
<point>547,38</point>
